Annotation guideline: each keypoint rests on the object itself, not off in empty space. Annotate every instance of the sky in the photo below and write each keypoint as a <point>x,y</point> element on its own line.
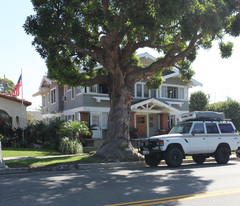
<point>220,77</point>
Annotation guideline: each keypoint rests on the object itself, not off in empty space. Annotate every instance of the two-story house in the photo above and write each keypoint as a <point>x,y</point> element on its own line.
<point>153,111</point>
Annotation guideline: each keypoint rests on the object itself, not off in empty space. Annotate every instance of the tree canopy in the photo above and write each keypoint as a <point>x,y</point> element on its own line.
<point>6,86</point>
<point>198,101</point>
<point>91,42</point>
<point>230,108</point>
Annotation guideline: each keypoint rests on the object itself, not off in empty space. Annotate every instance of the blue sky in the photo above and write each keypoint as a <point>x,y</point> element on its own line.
<point>220,77</point>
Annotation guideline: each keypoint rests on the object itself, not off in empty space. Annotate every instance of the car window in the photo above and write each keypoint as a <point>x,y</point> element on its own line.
<point>212,128</point>
<point>198,128</point>
<point>226,128</point>
<point>183,128</point>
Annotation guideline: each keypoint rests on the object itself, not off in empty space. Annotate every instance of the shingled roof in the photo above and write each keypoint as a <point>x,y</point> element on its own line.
<point>7,96</point>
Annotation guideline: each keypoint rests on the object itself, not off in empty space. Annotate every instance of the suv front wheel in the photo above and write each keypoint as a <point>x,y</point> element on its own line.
<point>152,160</point>
<point>174,157</point>
<point>222,155</point>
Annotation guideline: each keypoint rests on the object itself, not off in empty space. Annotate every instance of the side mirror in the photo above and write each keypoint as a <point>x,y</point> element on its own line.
<point>194,132</point>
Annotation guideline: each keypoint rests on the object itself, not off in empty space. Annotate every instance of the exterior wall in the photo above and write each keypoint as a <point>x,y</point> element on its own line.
<point>14,109</point>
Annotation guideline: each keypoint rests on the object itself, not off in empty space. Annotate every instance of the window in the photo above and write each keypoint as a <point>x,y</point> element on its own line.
<point>65,90</point>
<point>72,93</point>
<point>171,92</point>
<point>140,120</point>
<point>53,96</point>
<point>212,128</point>
<point>198,128</point>
<point>96,120</point>
<point>182,128</point>
<point>226,128</point>
<point>104,120</point>
<point>94,89</point>
<point>103,89</point>
<point>79,89</point>
<point>141,90</point>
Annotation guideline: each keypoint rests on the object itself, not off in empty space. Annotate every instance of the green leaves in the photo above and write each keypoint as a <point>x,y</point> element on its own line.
<point>68,34</point>
<point>226,49</point>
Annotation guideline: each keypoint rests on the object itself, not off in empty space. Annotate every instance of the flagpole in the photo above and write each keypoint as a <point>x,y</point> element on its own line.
<point>22,107</point>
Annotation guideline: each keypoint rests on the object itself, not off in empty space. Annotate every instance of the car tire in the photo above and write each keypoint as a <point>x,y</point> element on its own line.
<point>222,155</point>
<point>199,159</point>
<point>152,160</point>
<point>174,157</point>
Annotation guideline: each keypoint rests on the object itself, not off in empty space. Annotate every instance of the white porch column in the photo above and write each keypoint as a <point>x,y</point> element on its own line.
<point>147,125</point>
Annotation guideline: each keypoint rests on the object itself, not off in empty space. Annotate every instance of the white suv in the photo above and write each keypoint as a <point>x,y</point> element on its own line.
<point>200,135</point>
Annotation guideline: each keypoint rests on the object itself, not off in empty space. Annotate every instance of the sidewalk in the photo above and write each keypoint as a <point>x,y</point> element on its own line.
<point>65,167</point>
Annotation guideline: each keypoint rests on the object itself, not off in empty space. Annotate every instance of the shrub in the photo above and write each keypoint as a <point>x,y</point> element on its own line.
<point>198,101</point>
<point>74,129</point>
<point>69,146</point>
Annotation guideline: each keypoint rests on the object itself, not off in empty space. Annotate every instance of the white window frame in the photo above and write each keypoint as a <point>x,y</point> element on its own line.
<point>142,84</point>
<point>95,87</point>
<point>159,93</point>
<point>81,90</point>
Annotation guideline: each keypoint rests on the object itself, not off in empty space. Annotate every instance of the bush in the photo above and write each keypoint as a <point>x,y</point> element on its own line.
<point>231,110</point>
<point>198,101</point>
<point>69,146</point>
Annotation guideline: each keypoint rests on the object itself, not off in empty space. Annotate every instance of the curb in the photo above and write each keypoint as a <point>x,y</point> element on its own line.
<point>112,165</point>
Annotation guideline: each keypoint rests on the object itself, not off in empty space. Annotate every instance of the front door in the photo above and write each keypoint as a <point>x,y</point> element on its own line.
<point>96,124</point>
<point>141,124</point>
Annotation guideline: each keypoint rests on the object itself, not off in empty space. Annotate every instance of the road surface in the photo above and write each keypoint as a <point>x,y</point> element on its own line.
<point>188,185</point>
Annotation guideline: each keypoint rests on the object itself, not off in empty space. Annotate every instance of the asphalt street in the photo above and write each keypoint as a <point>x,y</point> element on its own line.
<point>190,184</point>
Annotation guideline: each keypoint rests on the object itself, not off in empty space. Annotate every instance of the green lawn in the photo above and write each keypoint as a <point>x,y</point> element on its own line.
<point>20,152</point>
<point>34,163</point>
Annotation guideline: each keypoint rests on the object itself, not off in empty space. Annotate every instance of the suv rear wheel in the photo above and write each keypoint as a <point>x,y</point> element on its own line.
<point>152,160</point>
<point>174,157</point>
<point>199,159</point>
<point>222,155</point>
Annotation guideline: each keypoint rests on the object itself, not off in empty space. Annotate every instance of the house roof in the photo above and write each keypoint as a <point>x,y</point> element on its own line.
<point>6,96</point>
<point>45,84</point>
<point>152,105</point>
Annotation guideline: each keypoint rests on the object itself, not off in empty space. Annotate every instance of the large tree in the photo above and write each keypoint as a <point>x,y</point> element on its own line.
<point>76,36</point>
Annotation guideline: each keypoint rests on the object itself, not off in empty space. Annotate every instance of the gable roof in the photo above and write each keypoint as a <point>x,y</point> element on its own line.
<point>153,104</point>
<point>6,96</point>
<point>44,85</point>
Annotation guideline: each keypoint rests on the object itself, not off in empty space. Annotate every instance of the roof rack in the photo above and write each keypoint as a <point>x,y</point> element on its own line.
<point>202,116</point>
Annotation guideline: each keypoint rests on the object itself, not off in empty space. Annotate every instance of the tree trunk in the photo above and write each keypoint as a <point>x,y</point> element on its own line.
<point>117,146</point>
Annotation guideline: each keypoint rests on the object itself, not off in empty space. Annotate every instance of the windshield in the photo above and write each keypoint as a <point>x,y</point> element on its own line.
<point>183,128</point>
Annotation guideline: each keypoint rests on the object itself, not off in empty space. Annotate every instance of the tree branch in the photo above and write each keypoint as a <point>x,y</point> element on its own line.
<point>103,79</point>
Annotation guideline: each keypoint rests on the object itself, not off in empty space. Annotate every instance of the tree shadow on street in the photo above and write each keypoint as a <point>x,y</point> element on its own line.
<point>104,186</point>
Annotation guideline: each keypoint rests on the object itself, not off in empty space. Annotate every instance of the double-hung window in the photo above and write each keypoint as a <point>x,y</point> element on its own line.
<point>53,96</point>
<point>171,92</point>
<point>141,90</point>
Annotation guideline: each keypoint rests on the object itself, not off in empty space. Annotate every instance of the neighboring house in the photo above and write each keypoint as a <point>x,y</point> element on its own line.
<point>13,110</point>
<point>153,111</point>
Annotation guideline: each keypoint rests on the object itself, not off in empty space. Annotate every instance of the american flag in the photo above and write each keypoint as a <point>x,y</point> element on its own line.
<point>16,91</point>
